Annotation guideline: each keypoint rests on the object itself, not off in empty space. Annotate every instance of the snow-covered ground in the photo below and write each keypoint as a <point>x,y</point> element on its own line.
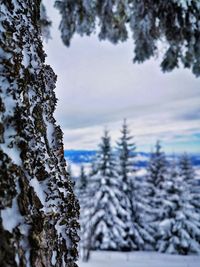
<point>140,259</point>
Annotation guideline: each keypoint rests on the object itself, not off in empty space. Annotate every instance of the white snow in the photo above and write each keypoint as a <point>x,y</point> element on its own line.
<point>141,172</point>
<point>50,130</point>
<point>38,189</point>
<point>197,172</point>
<point>140,259</point>
<point>26,57</point>
<point>53,259</point>
<point>13,153</point>
<point>11,217</point>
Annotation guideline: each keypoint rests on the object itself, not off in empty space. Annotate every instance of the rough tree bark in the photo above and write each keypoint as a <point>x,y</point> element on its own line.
<point>38,209</point>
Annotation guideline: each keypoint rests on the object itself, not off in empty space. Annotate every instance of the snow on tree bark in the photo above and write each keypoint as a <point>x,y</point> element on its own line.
<point>38,209</point>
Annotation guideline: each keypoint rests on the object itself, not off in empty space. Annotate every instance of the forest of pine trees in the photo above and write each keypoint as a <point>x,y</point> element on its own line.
<point>122,212</point>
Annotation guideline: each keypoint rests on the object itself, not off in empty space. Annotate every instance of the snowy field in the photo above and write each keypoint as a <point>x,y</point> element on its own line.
<point>140,259</point>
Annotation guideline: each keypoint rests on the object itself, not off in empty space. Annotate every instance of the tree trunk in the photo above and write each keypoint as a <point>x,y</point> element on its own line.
<point>38,210</point>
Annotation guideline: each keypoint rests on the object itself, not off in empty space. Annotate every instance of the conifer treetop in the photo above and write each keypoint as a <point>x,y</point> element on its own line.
<point>126,153</point>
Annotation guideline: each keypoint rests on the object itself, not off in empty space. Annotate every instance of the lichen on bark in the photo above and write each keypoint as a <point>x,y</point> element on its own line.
<point>38,209</point>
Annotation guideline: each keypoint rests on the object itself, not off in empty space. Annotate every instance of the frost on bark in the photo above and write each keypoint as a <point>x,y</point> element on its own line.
<point>38,210</point>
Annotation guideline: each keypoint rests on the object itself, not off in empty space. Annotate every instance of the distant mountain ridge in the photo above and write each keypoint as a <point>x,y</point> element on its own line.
<point>86,156</point>
<point>80,156</point>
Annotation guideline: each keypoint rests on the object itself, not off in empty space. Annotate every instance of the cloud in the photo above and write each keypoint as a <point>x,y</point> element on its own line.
<point>145,130</point>
<point>98,85</point>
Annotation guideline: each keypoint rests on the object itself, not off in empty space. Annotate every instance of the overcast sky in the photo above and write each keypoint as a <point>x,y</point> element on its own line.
<point>98,86</point>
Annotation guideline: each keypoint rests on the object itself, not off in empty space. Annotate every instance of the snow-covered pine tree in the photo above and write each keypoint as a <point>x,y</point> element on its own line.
<point>126,153</point>
<point>82,183</point>
<point>179,228</point>
<point>103,226</point>
<point>188,173</point>
<point>93,167</point>
<point>71,174</point>
<point>186,170</point>
<point>82,193</point>
<point>156,173</point>
<point>69,169</point>
<point>153,190</point>
<point>38,210</point>
<point>137,232</point>
<point>81,189</point>
<point>158,166</point>
<point>140,233</point>
<point>175,22</point>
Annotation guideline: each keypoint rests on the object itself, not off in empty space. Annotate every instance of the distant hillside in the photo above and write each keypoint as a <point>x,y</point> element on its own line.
<point>80,156</point>
<point>86,156</point>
